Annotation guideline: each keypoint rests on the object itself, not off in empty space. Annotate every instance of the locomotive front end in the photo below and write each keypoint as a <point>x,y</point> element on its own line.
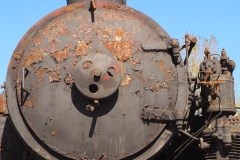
<point>96,79</point>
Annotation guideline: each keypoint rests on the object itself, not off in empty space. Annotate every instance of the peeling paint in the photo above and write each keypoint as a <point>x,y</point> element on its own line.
<point>54,76</point>
<point>60,56</point>
<point>167,73</point>
<point>41,72</point>
<point>33,58</point>
<point>81,49</point>
<point>126,81</point>
<point>122,50</point>
<point>54,132</point>
<point>37,40</point>
<point>3,104</point>
<point>69,80</point>
<point>30,103</point>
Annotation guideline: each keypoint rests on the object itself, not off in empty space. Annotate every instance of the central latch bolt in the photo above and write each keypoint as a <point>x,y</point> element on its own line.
<point>97,73</point>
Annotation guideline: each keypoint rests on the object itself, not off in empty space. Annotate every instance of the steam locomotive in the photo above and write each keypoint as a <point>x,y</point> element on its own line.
<point>99,80</point>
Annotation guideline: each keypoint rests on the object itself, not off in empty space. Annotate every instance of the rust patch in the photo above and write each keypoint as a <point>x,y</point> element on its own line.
<point>3,104</point>
<point>17,55</point>
<point>54,76</point>
<point>54,132</point>
<point>165,86</point>
<point>81,49</point>
<point>167,73</point>
<point>118,34</point>
<point>60,56</point>
<point>63,31</point>
<point>155,87</point>
<point>30,102</point>
<point>107,32</point>
<point>135,61</point>
<point>126,81</point>
<point>74,62</point>
<point>33,58</point>
<point>114,15</point>
<point>122,50</point>
<point>69,79</point>
<point>37,40</point>
<point>41,72</point>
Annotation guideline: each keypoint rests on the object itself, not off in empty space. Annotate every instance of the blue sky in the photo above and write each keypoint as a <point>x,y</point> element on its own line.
<point>201,18</point>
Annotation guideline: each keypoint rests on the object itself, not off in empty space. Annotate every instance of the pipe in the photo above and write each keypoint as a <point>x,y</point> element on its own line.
<point>115,1</point>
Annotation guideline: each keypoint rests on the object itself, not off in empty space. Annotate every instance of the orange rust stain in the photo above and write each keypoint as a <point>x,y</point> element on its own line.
<point>63,31</point>
<point>116,34</point>
<point>211,83</point>
<point>37,40</point>
<point>53,41</point>
<point>60,56</point>
<point>3,104</point>
<point>167,73</point>
<point>54,76</point>
<point>17,55</point>
<point>126,81</point>
<point>81,49</point>
<point>107,32</point>
<point>122,50</point>
<point>54,132</point>
<point>30,102</point>
<point>74,63</point>
<point>135,61</point>
<point>114,16</point>
<point>41,72</point>
<point>33,58</point>
<point>119,34</point>
<point>59,22</point>
<point>155,87</point>
<point>164,86</point>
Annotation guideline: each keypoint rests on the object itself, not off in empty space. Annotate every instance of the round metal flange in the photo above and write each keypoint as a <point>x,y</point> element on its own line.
<point>97,76</point>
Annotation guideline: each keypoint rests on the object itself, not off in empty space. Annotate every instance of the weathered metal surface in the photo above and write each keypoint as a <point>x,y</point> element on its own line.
<point>122,50</point>
<point>156,114</point>
<point>61,55</point>
<point>99,80</point>
<point>117,32</point>
<point>216,80</point>
<point>36,57</point>
<point>115,1</point>
<point>81,49</point>
<point>73,106</point>
<point>3,103</point>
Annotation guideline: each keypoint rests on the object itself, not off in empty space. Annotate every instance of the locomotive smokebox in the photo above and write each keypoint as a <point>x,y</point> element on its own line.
<point>97,76</point>
<point>116,1</point>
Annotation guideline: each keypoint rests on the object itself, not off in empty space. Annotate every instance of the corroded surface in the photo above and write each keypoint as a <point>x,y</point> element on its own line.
<point>122,50</point>
<point>3,104</point>
<point>82,48</point>
<point>58,43</point>
<point>168,73</point>
<point>33,58</point>
<point>60,56</point>
<point>30,103</point>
